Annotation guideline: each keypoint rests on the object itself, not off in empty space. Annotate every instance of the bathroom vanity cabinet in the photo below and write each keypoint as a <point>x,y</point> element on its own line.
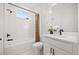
<point>54,45</point>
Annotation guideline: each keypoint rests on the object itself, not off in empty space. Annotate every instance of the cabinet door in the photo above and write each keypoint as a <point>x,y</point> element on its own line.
<point>48,49</point>
<point>58,51</point>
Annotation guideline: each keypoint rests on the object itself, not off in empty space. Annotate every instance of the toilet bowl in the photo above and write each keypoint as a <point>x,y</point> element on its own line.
<point>38,48</point>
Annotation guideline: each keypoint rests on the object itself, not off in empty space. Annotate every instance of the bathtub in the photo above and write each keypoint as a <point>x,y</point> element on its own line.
<point>19,48</point>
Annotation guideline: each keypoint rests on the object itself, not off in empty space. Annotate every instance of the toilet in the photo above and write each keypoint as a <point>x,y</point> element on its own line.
<point>38,48</point>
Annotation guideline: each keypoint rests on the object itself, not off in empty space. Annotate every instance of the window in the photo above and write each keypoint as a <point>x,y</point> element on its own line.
<point>22,14</point>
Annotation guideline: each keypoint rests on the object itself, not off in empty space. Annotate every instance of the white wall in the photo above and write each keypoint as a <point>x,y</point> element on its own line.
<point>78,17</point>
<point>31,6</point>
<point>26,35</point>
<point>78,24</point>
<point>44,18</point>
<point>1,28</point>
<point>44,21</point>
<point>65,15</point>
<point>43,10</point>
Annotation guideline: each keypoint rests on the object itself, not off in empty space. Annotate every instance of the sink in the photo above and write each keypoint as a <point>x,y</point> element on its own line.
<point>66,36</point>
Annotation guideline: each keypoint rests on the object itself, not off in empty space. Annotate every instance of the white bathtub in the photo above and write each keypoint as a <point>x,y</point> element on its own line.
<point>19,48</point>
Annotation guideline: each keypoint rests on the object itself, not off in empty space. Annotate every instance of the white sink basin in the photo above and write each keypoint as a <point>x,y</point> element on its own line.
<point>66,36</point>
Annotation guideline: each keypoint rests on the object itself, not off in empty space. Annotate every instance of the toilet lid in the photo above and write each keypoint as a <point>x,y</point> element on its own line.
<point>37,44</point>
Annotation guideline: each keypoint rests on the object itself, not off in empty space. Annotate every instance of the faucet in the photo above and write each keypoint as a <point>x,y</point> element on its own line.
<point>60,31</point>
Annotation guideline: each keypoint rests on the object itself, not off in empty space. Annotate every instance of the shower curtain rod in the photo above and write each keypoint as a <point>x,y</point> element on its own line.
<point>22,8</point>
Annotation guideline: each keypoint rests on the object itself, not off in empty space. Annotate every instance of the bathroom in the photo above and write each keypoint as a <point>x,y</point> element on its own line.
<point>39,29</point>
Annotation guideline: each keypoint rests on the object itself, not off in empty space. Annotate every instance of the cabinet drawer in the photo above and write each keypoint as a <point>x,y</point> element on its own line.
<point>62,45</point>
<point>58,51</point>
<point>48,50</point>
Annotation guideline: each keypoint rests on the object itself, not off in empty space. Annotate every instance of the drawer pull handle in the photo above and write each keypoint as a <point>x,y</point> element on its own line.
<point>50,50</point>
<point>53,52</point>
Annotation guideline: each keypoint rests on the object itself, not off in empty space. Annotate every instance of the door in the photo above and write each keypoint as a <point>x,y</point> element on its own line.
<point>1,29</point>
<point>19,28</point>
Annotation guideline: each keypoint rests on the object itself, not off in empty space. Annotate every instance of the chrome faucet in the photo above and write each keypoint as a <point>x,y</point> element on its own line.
<point>60,31</point>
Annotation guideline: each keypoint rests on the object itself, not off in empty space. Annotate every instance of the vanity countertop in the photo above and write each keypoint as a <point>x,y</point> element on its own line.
<point>71,37</point>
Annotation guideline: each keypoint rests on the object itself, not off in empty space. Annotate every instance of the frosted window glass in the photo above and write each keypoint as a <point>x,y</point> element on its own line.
<point>22,14</point>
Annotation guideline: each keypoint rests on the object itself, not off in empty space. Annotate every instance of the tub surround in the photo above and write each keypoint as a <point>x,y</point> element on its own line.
<point>65,44</point>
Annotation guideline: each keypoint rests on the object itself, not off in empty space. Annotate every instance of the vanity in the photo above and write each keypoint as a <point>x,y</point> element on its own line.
<point>66,44</point>
<point>63,16</point>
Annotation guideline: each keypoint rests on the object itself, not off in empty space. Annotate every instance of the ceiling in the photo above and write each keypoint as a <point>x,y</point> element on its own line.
<point>46,5</point>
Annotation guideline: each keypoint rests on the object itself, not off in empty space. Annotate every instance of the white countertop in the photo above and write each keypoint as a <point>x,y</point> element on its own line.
<point>71,37</point>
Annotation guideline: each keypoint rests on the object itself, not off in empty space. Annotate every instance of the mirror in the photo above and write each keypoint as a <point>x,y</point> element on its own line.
<point>65,15</point>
